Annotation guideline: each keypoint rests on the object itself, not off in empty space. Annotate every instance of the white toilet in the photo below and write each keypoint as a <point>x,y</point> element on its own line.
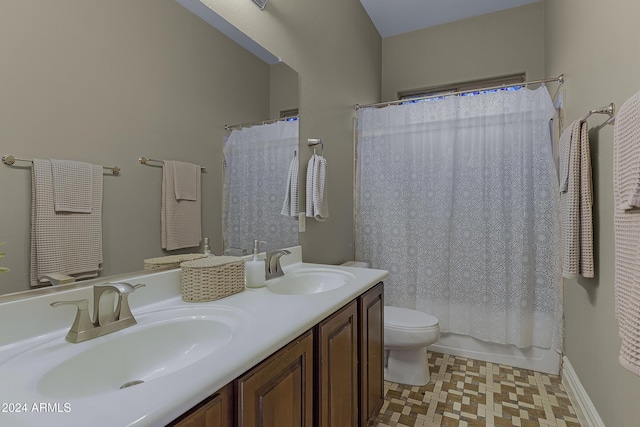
<point>407,333</point>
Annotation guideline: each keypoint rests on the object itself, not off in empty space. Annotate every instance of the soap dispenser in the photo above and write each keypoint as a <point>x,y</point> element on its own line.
<point>207,248</point>
<point>254,268</point>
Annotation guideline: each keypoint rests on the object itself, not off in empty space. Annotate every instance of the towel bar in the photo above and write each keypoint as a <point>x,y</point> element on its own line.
<point>145,160</point>
<point>610,110</point>
<point>9,160</point>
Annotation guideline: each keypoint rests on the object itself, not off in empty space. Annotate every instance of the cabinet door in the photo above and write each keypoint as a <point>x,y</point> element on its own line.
<point>215,411</point>
<point>337,368</point>
<point>279,391</point>
<point>371,346</point>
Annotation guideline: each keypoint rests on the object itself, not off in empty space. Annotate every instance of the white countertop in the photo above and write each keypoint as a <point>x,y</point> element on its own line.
<point>30,326</point>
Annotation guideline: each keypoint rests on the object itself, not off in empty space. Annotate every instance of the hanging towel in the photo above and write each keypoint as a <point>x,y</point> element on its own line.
<point>626,164</point>
<point>576,202</point>
<point>290,206</point>
<point>317,202</point>
<point>72,186</point>
<point>69,243</point>
<point>180,219</point>
<point>185,180</point>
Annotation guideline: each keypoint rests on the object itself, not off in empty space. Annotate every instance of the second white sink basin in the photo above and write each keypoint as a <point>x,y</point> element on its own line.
<point>162,343</point>
<point>309,281</point>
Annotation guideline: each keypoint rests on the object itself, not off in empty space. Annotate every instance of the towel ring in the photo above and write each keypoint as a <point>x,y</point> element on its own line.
<point>311,142</point>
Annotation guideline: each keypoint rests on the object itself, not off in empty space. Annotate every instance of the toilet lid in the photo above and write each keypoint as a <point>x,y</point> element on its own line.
<point>407,318</point>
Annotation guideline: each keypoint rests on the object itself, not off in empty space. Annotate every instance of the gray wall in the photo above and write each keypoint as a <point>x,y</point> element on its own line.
<point>106,82</point>
<point>491,45</point>
<point>596,45</point>
<point>284,90</point>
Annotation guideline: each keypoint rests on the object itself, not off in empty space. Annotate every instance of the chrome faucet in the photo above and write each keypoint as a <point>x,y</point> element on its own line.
<point>108,316</point>
<point>272,265</point>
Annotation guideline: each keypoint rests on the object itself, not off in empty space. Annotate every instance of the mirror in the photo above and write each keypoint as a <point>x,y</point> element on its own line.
<point>109,82</point>
<point>261,187</point>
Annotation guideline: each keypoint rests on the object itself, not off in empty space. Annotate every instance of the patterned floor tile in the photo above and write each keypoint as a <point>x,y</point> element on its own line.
<point>467,392</point>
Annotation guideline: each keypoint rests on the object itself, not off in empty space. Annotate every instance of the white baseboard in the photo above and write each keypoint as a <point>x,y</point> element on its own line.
<point>580,400</point>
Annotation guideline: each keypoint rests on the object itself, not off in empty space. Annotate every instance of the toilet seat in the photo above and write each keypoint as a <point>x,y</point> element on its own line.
<point>405,319</point>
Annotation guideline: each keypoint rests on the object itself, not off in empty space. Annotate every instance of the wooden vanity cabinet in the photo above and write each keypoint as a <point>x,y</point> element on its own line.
<point>279,391</point>
<point>371,353</point>
<point>350,363</point>
<point>215,411</point>
<point>332,375</point>
<point>337,368</point>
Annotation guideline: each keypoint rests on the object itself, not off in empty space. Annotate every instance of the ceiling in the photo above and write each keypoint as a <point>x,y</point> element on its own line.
<point>390,17</point>
<point>393,17</point>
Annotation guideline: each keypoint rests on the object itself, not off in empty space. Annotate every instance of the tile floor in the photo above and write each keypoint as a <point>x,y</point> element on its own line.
<point>467,392</point>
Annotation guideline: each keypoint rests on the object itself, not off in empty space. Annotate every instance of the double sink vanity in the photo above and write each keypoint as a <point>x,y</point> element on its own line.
<point>306,350</point>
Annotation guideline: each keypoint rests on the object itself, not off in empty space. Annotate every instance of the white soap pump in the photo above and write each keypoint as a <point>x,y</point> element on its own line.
<point>254,268</point>
<point>207,248</point>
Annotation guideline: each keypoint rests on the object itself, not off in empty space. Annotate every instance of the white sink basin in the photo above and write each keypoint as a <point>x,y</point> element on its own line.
<point>309,281</point>
<point>162,343</point>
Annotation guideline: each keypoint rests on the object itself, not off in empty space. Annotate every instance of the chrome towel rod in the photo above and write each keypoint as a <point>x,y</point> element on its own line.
<point>145,160</point>
<point>610,110</point>
<point>9,160</point>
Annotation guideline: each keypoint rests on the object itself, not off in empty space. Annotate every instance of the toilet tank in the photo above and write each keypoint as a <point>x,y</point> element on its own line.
<point>360,264</point>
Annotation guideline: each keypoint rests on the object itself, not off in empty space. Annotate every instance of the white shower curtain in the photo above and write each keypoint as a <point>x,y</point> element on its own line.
<point>456,197</point>
<point>257,160</point>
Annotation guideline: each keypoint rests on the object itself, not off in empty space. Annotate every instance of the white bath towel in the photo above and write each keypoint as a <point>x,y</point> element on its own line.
<point>290,206</point>
<point>317,202</point>
<point>576,202</point>
<point>626,163</point>
<point>69,243</point>
<point>72,186</point>
<point>181,221</point>
<point>185,180</point>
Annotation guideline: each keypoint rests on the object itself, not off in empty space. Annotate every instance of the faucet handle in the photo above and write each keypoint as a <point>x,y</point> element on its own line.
<point>81,323</point>
<point>82,304</point>
<point>120,287</point>
<point>123,311</point>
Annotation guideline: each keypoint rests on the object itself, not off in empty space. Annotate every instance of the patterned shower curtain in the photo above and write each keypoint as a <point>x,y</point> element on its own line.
<point>456,197</point>
<point>257,160</point>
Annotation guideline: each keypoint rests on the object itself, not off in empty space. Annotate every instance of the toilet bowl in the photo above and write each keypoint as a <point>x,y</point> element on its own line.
<point>407,333</point>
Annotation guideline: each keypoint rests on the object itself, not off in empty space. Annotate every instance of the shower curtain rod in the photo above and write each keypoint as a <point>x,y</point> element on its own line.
<point>559,79</point>
<point>259,122</point>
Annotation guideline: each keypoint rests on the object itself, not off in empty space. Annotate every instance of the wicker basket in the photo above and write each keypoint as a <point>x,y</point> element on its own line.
<point>169,261</point>
<point>211,278</point>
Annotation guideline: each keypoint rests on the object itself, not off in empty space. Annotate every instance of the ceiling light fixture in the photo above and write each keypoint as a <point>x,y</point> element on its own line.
<point>260,3</point>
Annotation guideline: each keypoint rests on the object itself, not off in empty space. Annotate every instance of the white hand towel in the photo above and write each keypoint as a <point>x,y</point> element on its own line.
<point>626,164</point>
<point>69,243</point>
<point>290,206</point>
<point>628,135</point>
<point>310,171</point>
<point>72,186</point>
<point>181,222</point>
<point>185,179</point>
<point>320,200</point>
<point>317,201</point>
